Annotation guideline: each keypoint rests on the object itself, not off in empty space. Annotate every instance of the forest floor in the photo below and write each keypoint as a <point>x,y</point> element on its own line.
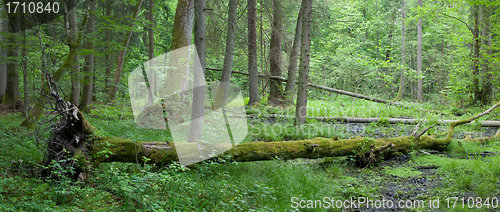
<point>468,170</point>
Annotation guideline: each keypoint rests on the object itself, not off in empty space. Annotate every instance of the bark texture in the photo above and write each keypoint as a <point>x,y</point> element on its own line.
<point>401,90</point>
<point>253,78</point>
<point>4,21</point>
<point>305,56</point>
<point>89,69</point>
<point>72,37</point>
<point>294,54</point>
<point>222,91</point>
<point>108,38</point>
<point>475,53</point>
<point>419,58</point>
<point>183,24</point>
<point>12,85</point>
<point>275,94</point>
<point>197,111</point>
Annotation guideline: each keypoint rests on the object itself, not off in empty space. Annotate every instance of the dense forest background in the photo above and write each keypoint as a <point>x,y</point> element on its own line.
<point>385,99</point>
<point>368,47</point>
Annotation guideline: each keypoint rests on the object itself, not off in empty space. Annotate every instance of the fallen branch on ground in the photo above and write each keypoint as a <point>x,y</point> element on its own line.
<point>484,123</point>
<point>342,92</point>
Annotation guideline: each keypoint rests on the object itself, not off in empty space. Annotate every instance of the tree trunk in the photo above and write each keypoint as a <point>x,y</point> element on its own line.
<point>12,86</point>
<point>475,57</point>
<point>108,38</point>
<point>199,90</point>
<point>305,56</point>
<point>183,24</point>
<point>151,35</point>
<point>275,94</point>
<point>24,63</point>
<point>253,79</point>
<point>58,74</point>
<point>222,91</point>
<point>419,59</point>
<point>401,90</point>
<point>487,87</point>
<point>72,36</point>
<point>365,150</point>
<point>88,83</point>
<point>121,55</point>
<point>294,54</point>
<point>4,24</point>
<point>163,153</point>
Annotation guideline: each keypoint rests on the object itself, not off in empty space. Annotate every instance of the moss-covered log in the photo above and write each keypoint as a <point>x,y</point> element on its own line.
<point>124,150</point>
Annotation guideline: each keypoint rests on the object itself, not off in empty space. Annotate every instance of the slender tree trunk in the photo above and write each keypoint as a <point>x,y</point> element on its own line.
<point>108,38</point>
<point>294,54</point>
<point>419,58</point>
<point>72,36</point>
<point>305,56</point>
<point>487,91</point>
<point>151,36</point>
<point>121,54</point>
<point>24,63</point>
<point>4,21</point>
<point>401,90</point>
<point>12,87</point>
<point>88,83</point>
<point>253,79</point>
<point>476,51</point>
<point>275,94</point>
<point>195,131</point>
<point>222,91</point>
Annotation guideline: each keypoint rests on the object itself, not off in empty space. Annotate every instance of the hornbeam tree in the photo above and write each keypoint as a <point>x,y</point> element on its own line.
<point>121,55</point>
<point>305,57</point>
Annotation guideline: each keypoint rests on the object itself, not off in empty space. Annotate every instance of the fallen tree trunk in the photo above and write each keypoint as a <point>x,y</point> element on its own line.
<point>125,150</point>
<point>485,123</point>
<point>333,90</point>
<point>367,151</point>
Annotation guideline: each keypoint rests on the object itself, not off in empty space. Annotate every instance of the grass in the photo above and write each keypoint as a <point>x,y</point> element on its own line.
<point>250,186</point>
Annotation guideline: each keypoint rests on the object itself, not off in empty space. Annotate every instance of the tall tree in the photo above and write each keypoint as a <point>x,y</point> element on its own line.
<point>475,53</point>
<point>487,91</point>
<point>181,37</point>
<point>183,24</point>
<point>12,86</point>
<point>4,21</point>
<point>294,54</point>
<point>419,58</point>
<point>24,64</point>
<point>108,38</point>
<point>195,131</point>
<point>223,89</point>
<point>72,36</point>
<point>121,54</point>
<point>401,90</point>
<point>88,82</point>
<point>305,57</point>
<point>253,78</point>
<point>275,94</point>
<point>151,35</point>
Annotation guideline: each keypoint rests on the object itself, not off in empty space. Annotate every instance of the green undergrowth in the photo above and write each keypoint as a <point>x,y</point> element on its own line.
<point>342,106</point>
<point>230,186</point>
